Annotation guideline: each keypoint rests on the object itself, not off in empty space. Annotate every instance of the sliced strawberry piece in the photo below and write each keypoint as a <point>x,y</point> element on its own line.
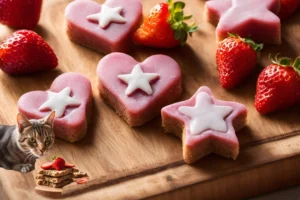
<point>47,165</point>
<point>69,165</point>
<point>82,180</point>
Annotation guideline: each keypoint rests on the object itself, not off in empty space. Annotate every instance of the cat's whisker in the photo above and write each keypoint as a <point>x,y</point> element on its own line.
<point>28,156</point>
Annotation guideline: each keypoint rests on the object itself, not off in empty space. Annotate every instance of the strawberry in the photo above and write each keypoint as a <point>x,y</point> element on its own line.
<point>26,52</point>
<point>20,13</point>
<point>164,27</point>
<point>47,165</point>
<point>236,58</point>
<point>287,8</point>
<point>58,163</point>
<point>278,86</point>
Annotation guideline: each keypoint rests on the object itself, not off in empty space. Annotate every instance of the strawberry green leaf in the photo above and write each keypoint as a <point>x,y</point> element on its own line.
<point>285,61</point>
<point>188,17</point>
<point>54,157</point>
<point>176,21</point>
<point>178,34</point>
<point>256,47</point>
<point>296,65</point>
<point>170,2</point>
<point>178,6</point>
<point>232,34</point>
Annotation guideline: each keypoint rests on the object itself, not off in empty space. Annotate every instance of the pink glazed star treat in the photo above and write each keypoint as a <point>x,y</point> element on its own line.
<point>104,28</point>
<point>248,18</point>
<point>205,125</point>
<point>214,9</point>
<point>70,96</point>
<point>138,91</point>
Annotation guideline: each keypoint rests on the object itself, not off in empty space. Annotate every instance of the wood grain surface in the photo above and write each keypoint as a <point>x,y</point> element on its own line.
<point>133,163</point>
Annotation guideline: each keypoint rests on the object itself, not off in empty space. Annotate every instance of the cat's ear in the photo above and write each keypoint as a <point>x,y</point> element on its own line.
<point>50,118</point>
<point>23,122</point>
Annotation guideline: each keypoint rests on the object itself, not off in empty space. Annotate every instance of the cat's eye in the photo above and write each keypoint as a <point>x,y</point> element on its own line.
<point>32,140</point>
<point>48,139</point>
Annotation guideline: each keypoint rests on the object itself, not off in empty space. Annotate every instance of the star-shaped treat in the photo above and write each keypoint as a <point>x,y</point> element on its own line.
<point>107,15</point>
<point>255,19</point>
<point>205,115</point>
<point>214,9</point>
<point>138,80</point>
<point>59,102</point>
<point>205,124</point>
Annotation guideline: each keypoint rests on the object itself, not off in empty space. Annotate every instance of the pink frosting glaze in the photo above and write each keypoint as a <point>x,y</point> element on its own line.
<point>72,125</point>
<point>194,140</point>
<point>248,18</point>
<point>115,37</point>
<point>139,103</point>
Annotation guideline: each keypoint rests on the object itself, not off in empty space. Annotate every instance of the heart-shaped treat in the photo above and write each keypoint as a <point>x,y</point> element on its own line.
<point>70,95</point>
<point>104,28</point>
<point>138,91</point>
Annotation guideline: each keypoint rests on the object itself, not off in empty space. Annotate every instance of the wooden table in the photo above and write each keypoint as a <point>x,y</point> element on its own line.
<point>144,162</point>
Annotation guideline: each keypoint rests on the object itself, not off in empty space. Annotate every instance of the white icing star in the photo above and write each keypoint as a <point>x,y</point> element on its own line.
<point>206,115</point>
<point>138,80</point>
<point>107,15</point>
<point>59,101</point>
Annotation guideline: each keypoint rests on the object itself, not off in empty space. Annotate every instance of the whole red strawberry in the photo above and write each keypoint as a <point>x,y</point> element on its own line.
<point>287,8</point>
<point>58,163</point>
<point>26,52</point>
<point>236,58</point>
<point>278,86</point>
<point>164,27</point>
<point>20,13</point>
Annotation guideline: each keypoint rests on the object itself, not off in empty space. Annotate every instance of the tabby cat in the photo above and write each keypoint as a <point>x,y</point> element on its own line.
<point>22,144</point>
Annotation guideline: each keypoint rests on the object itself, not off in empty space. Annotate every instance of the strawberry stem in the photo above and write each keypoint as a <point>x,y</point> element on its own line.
<point>256,47</point>
<point>176,21</point>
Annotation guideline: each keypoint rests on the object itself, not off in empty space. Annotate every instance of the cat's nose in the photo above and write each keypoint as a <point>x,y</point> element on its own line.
<point>42,151</point>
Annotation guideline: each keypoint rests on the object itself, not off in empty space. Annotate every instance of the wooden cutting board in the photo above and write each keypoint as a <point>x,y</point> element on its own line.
<point>131,163</point>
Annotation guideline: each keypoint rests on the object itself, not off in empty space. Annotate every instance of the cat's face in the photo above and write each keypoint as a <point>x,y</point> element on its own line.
<point>36,136</point>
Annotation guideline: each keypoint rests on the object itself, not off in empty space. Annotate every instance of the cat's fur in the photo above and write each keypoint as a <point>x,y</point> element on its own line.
<point>22,144</point>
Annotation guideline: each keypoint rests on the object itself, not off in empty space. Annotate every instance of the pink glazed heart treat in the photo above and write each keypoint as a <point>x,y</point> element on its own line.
<point>138,91</point>
<point>70,96</point>
<point>256,19</point>
<point>205,125</point>
<point>104,28</point>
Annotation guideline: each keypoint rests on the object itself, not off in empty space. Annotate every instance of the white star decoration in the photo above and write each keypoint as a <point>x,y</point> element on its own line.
<point>206,115</point>
<point>138,80</point>
<point>107,15</point>
<point>59,101</point>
